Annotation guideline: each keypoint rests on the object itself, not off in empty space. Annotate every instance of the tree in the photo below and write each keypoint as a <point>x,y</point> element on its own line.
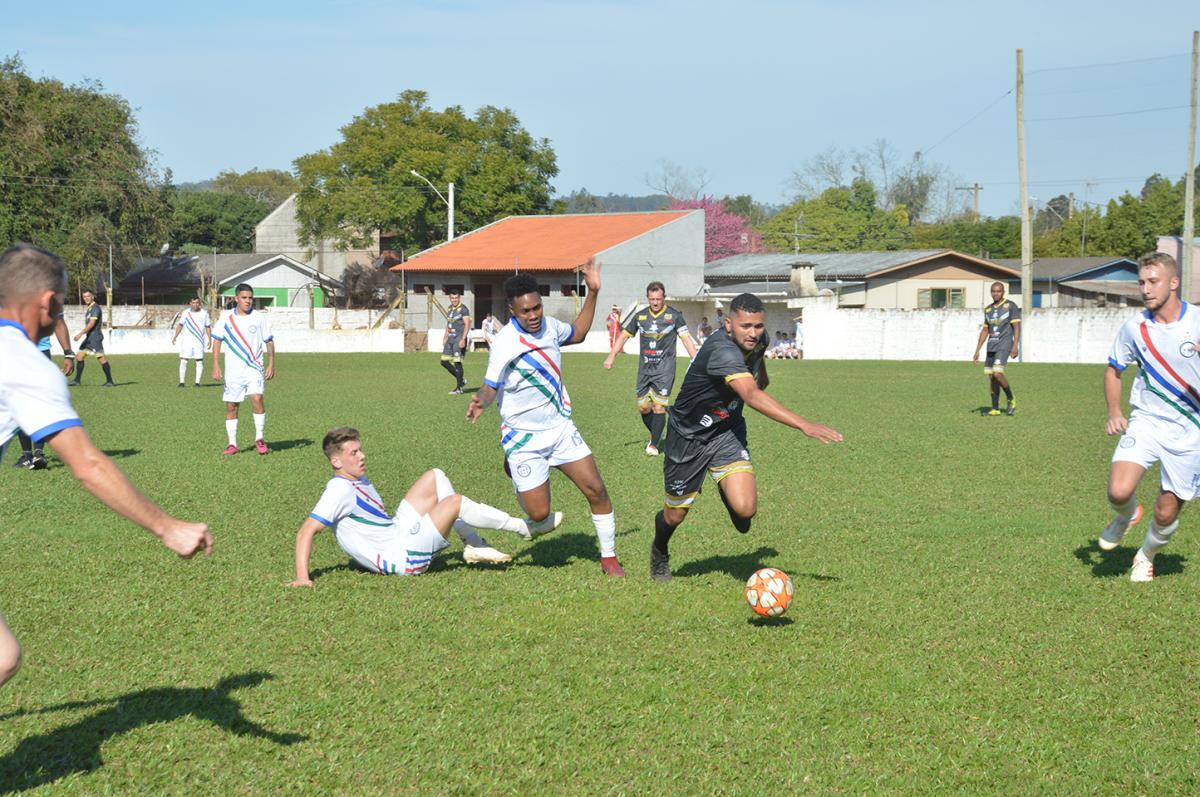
<point>755,213</point>
<point>725,233</point>
<point>677,182</point>
<point>839,220</point>
<point>207,220</point>
<point>362,185</point>
<point>269,186</point>
<point>988,238</point>
<point>72,176</point>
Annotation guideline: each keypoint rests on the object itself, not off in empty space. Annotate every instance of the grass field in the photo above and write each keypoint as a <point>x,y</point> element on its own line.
<point>955,628</point>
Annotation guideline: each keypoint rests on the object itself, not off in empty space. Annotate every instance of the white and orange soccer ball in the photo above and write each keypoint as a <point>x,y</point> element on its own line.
<point>769,592</point>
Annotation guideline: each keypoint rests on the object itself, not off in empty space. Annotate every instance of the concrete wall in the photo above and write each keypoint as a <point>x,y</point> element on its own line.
<point>280,233</point>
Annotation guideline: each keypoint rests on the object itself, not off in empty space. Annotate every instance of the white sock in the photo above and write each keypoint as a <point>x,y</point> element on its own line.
<point>182,371</point>
<point>442,483</point>
<point>466,532</point>
<point>1157,537</point>
<point>482,516</point>
<point>606,530</point>
<point>1125,511</point>
<point>231,431</point>
<point>260,423</point>
<point>199,371</point>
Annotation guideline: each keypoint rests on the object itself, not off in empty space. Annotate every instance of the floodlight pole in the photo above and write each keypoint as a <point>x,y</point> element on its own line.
<point>1026,225</point>
<point>1189,190</point>
<point>449,202</point>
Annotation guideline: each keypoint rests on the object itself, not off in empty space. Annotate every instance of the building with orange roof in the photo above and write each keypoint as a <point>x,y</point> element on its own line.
<point>632,249</point>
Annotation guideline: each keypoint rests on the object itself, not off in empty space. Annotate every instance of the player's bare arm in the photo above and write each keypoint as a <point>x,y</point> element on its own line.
<point>91,322</point>
<point>983,335</point>
<point>304,540</point>
<point>1117,423</point>
<point>583,322</point>
<point>216,360</point>
<point>1016,328</point>
<point>103,479</point>
<point>270,372</point>
<point>763,380</point>
<point>482,399</point>
<point>64,339</point>
<point>689,343</point>
<point>462,341</point>
<point>762,401</point>
<point>618,346</point>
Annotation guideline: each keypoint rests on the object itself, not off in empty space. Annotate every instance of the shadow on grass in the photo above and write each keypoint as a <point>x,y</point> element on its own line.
<point>739,566</point>
<point>769,622</point>
<point>980,410</point>
<point>559,550</point>
<point>121,453</point>
<point>1106,564</point>
<point>284,445</point>
<point>39,760</point>
<point>351,566</point>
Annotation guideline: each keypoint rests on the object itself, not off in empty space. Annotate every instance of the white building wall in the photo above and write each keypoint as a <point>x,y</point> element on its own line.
<point>279,233</point>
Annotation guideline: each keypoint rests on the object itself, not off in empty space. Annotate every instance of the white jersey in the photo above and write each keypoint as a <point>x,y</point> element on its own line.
<point>1167,387</point>
<point>365,530</point>
<point>192,330</point>
<point>526,372</point>
<point>33,392</point>
<point>244,338</point>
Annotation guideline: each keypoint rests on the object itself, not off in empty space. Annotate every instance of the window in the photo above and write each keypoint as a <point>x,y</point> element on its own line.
<point>544,290</point>
<point>422,287</point>
<point>450,288</point>
<point>936,298</point>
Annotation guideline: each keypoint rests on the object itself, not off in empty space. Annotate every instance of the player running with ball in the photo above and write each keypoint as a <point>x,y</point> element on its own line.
<point>1164,426</point>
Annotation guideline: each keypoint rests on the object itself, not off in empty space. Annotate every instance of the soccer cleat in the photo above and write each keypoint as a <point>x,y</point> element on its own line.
<point>38,462</point>
<point>458,391</point>
<point>1143,568</point>
<point>196,385</point>
<point>1011,408</point>
<point>24,461</point>
<point>260,446</point>
<point>660,565</point>
<point>611,566</point>
<point>651,450</point>
<point>993,412</point>
<point>109,384</point>
<point>181,384</point>
<point>544,526</point>
<point>230,449</point>
<point>474,554</point>
<point>74,383</point>
<point>1114,532</point>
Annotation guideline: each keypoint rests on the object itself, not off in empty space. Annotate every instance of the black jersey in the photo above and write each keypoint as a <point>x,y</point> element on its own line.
<point>455,318</point>
<point>656,346</point>
<point>706,404</point>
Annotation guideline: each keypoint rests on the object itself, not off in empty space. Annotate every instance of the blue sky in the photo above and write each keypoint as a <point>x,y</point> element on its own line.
<point>746,91</point>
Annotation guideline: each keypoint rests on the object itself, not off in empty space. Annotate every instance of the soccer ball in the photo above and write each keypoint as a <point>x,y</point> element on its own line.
<point>769,592</point>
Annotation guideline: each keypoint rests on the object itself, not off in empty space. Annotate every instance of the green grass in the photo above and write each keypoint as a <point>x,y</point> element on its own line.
<point>954,630</point>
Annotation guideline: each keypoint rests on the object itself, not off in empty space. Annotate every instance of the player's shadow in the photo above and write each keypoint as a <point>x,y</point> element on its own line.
<point>284,445</point>
<point>1106,564</point>
<point>558,550</point>
<point>984,410</point>
<point>121,453</point>
<point>350,566</point>
<point>739,566</point>
<point>76,748</point>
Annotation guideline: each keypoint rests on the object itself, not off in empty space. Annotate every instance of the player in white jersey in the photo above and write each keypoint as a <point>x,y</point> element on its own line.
<point>249,362</point>
<point>34,397</point>
<point>1164,426</point>
<point>403,543</point>
<point>524,375</point>
<point>196,329</point>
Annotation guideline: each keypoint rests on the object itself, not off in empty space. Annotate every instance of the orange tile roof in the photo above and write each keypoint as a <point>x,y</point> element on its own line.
<point>538,243</point>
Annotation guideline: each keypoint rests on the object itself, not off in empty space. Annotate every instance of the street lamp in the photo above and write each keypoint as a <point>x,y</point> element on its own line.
<point>449,202</point>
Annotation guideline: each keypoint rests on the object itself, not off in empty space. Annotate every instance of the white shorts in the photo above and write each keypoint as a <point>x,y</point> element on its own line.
<point>530,455</point>
<point>191,350</point>
<point>1148,440</point>
<point>240,384</point>
<point>412,552</point>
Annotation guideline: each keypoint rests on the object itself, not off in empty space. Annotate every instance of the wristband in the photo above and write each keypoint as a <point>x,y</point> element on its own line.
<point>70,355</point>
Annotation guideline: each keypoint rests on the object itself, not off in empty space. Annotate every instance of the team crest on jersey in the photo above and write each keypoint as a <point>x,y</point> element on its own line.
<point>1188,349</point>
<point>253,328</point>
<point>523,470</point>
<point>1128,441</point>
<point>667,317</point>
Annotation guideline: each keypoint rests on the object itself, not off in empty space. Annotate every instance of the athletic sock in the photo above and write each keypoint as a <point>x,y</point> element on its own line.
<point>648,421</point>
<point>182,371</point>
<point>1008,392</point>
<point>1157,537</point>
<point>260,423</point>
<point>466,532</point>
<point>996,400</point>
<point>458,374</point>
<point>606,530</point>
<point>107,371</point>
<point>199,370</point>
<point>79,370</point>
<point>482,516</point>
<point>657,421</point>
<point>26,443</point>
<point>662,532</point>
<point>1125,511</point>
<point>449,366</point>
<point>231,431</point>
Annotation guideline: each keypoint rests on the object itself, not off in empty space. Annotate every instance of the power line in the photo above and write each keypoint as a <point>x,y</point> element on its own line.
<point>1107,115</point>
<point>1107,63</point>
<point>928,149</point>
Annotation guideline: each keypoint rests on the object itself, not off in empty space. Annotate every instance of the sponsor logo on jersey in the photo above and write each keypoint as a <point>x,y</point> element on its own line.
<point>1188,348</point>
<point>1128,441</point>
<point>523,470</point>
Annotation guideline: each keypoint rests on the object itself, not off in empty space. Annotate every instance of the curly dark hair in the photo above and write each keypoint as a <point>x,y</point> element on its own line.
<point>519,285</point>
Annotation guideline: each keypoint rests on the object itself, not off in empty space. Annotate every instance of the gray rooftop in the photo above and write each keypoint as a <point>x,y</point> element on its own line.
<point>1055,268</point>
<point>826,264</point>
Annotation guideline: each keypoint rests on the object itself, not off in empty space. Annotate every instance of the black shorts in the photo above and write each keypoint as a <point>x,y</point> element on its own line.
<point>92,345</point>
<point>654,387</point>
<point>996,360</point>
<point>687,460</point>
<point>451,350</point>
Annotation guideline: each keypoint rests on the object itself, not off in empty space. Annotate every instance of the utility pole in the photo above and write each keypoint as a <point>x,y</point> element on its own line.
<point>1189,185</point>
<point>976,188</point>
<point>1026,224</point>
<point>1071,205</point>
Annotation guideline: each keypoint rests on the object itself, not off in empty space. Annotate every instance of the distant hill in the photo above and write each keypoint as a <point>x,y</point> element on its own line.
<point>202,185</point>
<point>582,201</point>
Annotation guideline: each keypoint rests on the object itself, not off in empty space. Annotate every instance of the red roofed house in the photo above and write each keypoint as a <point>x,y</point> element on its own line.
<point>632,249</point>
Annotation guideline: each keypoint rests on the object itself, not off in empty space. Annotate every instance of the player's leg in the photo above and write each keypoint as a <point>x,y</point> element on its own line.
<point>434,486</point>
<point>645,403</point>
<point>684,466</point>
<point>660,395</point>
<point>231,421</point>
<point>446,515</point>
<point>1133,456</point>
<point>26,458</point>
<point>108,380</point>
<point>1179,462</point>
<point>259,408</point>
<point>182,371</point>
<point>80,362</point>
<point>584,474</point>
<point>739,493</point>
<point>199,369</point>
<point>10,652</point>
<point>1001,377</point>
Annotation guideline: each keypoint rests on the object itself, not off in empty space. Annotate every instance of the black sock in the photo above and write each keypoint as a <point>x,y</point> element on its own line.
<point>107,371</point>
<point>458,374</point>
<point>79,370</point>
<point>657,421</point>
<point>1008,392</point>
<point>449,366</point>
<point>996,400</point>
<point>648,422</point>
<point>662,533</point>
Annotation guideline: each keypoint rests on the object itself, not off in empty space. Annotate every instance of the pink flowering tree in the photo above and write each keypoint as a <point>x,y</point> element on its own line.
<point>725,233</point>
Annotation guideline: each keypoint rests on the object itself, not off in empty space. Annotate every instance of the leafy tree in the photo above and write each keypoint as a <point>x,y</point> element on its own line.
<point>580,201</point>
<point>362,184</point>
<point>840,219</point>
<point>990,238</point>
<point>72,176</point>
<point>725,233</point>
<point>269,186</point>
<point>753,212</point>
<point>206,220</point>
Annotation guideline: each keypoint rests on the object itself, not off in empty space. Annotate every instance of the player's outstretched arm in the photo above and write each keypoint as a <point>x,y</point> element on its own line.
<point>304,540</point>
<point>759,399</point>
<point>618,346</point>
<point>983,333</point>
<point>482,399</point>
<point>103,479</point>
<point>1117,424</point>
<point>583,322</point>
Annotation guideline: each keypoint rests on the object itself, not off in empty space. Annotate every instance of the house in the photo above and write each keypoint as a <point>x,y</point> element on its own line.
<point>1106,281</point>
<point>279,233</point>
<point>632,249</point>
<point>278,280</point>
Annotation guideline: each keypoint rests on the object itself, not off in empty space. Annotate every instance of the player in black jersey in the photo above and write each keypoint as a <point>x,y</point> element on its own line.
<point>706,432</point>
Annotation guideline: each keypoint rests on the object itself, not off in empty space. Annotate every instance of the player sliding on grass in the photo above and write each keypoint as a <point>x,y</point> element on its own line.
<point>707,433</point>
<point>524,373</point>
<point>34,397</point>
<point>402,544</point>
<point>1164,426</point>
